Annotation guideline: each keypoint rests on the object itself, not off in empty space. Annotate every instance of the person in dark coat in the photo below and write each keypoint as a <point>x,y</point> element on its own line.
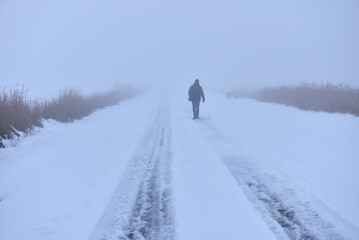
<point>195,93</point>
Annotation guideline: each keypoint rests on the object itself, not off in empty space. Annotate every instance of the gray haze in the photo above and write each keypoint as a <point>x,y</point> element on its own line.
<point>93,45</point>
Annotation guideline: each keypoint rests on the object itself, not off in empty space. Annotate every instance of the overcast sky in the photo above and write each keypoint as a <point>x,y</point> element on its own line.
<point>49,45</point>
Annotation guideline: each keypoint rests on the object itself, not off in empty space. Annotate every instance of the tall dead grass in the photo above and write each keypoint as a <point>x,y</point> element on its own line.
<point>71,104</point>
<point>309,96</point>
<point>18,114</point>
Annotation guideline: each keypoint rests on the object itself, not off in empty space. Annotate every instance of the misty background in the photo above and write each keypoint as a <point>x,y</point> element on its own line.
<point>94,45</point>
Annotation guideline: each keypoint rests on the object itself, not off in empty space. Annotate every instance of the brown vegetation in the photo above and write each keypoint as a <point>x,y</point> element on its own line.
<point>309,96</point>
<point>18,114</point>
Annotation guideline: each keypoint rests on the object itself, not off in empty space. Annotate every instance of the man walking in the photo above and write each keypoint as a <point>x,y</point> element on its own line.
<point>195,93</point>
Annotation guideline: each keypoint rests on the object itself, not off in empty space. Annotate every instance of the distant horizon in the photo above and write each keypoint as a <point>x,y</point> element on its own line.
<point>94,45</point>
<point>32,93</point>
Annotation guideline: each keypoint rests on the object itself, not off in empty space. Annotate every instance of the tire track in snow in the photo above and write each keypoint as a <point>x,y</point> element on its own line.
<point>142,205</point>
<point>276,202</point>
<point>150,217</point>
<point>288,214</point>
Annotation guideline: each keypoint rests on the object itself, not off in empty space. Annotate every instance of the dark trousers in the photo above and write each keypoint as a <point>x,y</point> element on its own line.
<point>195,108</point>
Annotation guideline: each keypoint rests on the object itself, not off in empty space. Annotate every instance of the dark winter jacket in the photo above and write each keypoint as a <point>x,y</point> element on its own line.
<point>195,93</point>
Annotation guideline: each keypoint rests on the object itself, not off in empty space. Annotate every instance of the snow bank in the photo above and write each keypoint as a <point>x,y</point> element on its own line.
<point>316,152</point>
<point>57,184</point>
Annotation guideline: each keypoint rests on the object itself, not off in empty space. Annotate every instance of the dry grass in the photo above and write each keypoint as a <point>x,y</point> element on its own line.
<point>309,96</point>
<point>72,105</point>
<point>18,114</point>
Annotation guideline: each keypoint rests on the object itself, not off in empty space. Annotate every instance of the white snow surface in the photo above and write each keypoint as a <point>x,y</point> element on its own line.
<point>227,175</point>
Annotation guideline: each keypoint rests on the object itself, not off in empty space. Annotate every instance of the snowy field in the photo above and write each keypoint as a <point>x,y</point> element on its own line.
<point>144,169</point>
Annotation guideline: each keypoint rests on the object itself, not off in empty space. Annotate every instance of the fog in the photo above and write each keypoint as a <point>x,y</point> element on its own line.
<point>94,45</point>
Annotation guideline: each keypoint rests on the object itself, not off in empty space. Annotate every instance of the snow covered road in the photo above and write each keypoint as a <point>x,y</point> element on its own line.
<point>141,207</point>
<point>145,170</point>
